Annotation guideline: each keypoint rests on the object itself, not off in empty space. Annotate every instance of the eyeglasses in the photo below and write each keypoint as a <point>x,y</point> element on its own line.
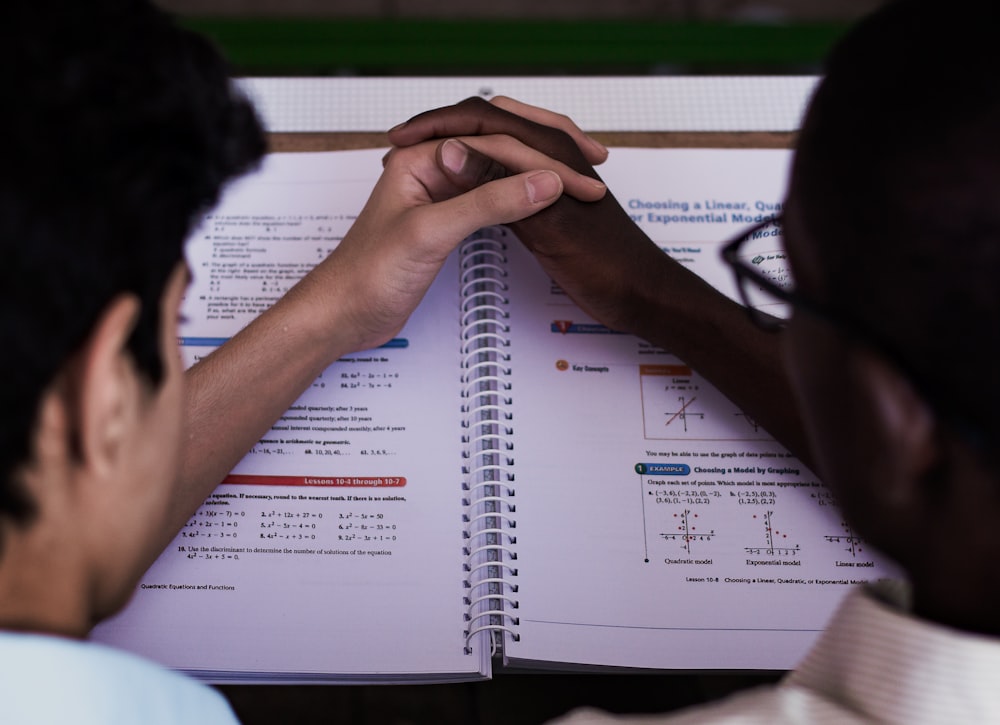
<point>764,276</point>
<point>767,288</point>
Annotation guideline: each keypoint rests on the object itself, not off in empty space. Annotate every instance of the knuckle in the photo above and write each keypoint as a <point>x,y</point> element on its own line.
<point>564,121</point>
<point>475,103</point>
<point>489,200</point>
<point>397,156</point>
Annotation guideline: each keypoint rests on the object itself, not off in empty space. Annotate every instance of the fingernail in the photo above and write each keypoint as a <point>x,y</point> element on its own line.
<point>397,126</point>
<point>453,155</point>
<point>542,186</point>
<point>601,148</point>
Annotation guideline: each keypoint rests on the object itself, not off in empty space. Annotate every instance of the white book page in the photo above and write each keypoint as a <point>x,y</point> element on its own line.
<point>658,526</point>
<point>334,548</point>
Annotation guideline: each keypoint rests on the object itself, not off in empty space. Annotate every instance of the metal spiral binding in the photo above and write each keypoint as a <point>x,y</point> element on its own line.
<point>490,546</point>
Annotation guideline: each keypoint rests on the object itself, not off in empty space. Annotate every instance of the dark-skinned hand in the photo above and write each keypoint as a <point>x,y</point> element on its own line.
<point>591,248</point>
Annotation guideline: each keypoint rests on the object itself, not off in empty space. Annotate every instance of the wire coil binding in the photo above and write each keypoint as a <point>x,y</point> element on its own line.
<point>490,546</point>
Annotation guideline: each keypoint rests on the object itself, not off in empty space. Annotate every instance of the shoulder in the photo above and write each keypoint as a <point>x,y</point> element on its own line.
<point>45,678</point>
<point>768,705</point>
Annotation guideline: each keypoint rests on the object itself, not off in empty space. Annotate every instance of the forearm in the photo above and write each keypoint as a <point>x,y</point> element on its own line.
<point>621,278</point>
<point>686,316</point>
<point>235,394</point>
<point>356,299</point>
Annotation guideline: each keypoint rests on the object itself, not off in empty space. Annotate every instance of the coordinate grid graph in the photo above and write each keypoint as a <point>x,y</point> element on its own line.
<point>773,539</point>
<point>852,543</point>
<point>678,405</point>
<point>682,414</point>
<point>688,530</point>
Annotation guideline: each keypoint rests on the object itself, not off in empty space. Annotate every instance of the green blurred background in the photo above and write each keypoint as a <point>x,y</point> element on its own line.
<point>521,37</point>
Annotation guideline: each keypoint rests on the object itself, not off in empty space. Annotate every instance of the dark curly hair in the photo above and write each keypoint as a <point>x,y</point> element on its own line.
<point>898,176</point>
<point>120,132</point>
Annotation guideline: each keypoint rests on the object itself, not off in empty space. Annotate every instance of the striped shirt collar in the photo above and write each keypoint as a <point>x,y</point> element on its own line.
<point>878,660</point>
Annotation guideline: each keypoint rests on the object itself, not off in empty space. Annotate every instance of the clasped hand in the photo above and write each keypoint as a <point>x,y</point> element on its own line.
<point>420,210</point>
<point>587,244</point>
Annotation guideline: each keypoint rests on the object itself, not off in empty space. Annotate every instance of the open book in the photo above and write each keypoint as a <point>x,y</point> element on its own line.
<point>506,483</point>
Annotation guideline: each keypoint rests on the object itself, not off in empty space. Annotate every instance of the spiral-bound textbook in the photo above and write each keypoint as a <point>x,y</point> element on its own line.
<point>507,483</point>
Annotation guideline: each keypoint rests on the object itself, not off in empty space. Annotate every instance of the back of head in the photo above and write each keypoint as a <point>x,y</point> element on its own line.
<point>897,178</point>
<point>119,131</point>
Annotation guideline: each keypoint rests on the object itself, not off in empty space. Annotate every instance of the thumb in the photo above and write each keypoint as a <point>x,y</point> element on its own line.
<point>466,167</point>
<point>501,201</point>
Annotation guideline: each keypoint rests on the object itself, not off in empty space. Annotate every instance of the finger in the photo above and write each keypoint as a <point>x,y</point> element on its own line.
<point>595,151</point>
<point>476,117</point>
<point>473,161</point>
<point>467,167</point>
<point>502,201</point>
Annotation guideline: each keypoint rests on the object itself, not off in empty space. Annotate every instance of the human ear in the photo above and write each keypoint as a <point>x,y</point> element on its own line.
<point>108,387</point>
<point>905,445</point>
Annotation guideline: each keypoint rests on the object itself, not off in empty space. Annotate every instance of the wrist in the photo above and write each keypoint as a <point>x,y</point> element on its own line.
<point>315,318</point>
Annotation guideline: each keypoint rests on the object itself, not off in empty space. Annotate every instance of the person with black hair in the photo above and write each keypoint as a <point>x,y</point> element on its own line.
<point>122,132</point>
<point>885,377</point>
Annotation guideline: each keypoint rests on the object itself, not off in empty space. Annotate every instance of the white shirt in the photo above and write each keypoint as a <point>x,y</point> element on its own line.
<point>48,679</point>
<point>873,663</point>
